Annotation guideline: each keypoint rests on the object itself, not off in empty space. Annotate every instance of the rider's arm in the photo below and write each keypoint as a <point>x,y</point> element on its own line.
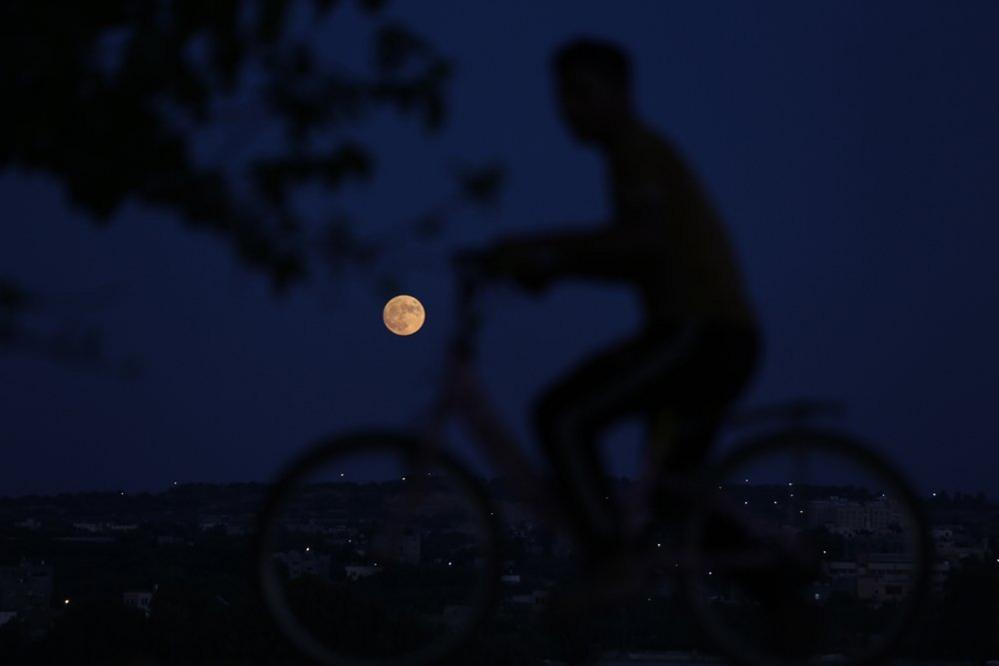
<point>612,253</point>
<point>618,250</point>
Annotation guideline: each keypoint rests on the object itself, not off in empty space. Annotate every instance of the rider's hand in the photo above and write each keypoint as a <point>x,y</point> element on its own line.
<point>530,265</point>
<point>518,262</point>
<point>532,277</point>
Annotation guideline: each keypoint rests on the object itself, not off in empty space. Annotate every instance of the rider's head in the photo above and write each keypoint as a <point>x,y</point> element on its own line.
<point>593,81</point>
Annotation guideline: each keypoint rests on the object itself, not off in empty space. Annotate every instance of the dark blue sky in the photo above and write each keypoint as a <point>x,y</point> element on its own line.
<point>852,147</point>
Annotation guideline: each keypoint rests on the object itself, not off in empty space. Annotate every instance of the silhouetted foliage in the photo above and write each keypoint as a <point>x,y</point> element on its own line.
<point>110,99</point>
<point>52,326</point>
<point>115,101</point>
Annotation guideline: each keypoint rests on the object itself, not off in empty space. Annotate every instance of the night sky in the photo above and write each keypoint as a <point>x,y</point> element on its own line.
<point>852,147</point>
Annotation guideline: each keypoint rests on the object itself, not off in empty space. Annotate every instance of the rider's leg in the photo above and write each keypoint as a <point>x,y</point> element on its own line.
<point>692,403</point>
<point>711,378</point>
<point>572,415</point>
<point>569,437</point>
<point>673,458</point>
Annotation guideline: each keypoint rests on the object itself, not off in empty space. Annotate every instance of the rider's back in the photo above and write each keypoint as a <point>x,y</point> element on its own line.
<point>696,275</point>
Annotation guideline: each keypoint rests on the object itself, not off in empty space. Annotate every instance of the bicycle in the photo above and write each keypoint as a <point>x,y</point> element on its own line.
<point>817,557</point>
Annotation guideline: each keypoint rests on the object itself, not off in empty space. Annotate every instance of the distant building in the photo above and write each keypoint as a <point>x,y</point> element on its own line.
<point>299,563</point>
<point>525,595</point>
<point>25,587</point>
<point>880,577</point>
<point>29,524</point>
<point>842,516</point>
<point>169,540</point>
<point>230,525</point>
<point>139,600</point>
<point>91,527</point>
<point>122,527</point>
<point>96,527</point>
<point>955,543</point>
<point>26,592</point>
<point>355,571</point>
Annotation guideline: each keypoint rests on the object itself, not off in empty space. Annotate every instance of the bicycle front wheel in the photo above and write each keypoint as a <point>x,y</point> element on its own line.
<point>806,546</point>
<point>372,550</point>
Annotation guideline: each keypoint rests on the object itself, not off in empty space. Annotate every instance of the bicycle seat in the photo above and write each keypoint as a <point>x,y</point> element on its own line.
<point>793,411</point>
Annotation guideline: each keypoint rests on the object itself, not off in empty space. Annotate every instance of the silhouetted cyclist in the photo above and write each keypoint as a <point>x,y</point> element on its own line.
<point>699,343</point>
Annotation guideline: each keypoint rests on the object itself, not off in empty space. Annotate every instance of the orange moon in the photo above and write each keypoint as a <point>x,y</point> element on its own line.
<point>404,315</point>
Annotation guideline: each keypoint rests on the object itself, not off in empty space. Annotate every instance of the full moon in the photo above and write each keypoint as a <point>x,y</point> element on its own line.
<point>403,315</point>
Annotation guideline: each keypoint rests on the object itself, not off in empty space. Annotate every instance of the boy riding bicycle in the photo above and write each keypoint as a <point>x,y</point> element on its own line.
<point>699,343</point>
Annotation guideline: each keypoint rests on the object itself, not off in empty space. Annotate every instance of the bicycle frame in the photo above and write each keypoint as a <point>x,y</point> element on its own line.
<point>463,397</point>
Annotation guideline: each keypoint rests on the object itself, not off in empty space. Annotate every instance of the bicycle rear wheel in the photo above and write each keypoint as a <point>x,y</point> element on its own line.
<point>806,546</point>
<point>373,551</point>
